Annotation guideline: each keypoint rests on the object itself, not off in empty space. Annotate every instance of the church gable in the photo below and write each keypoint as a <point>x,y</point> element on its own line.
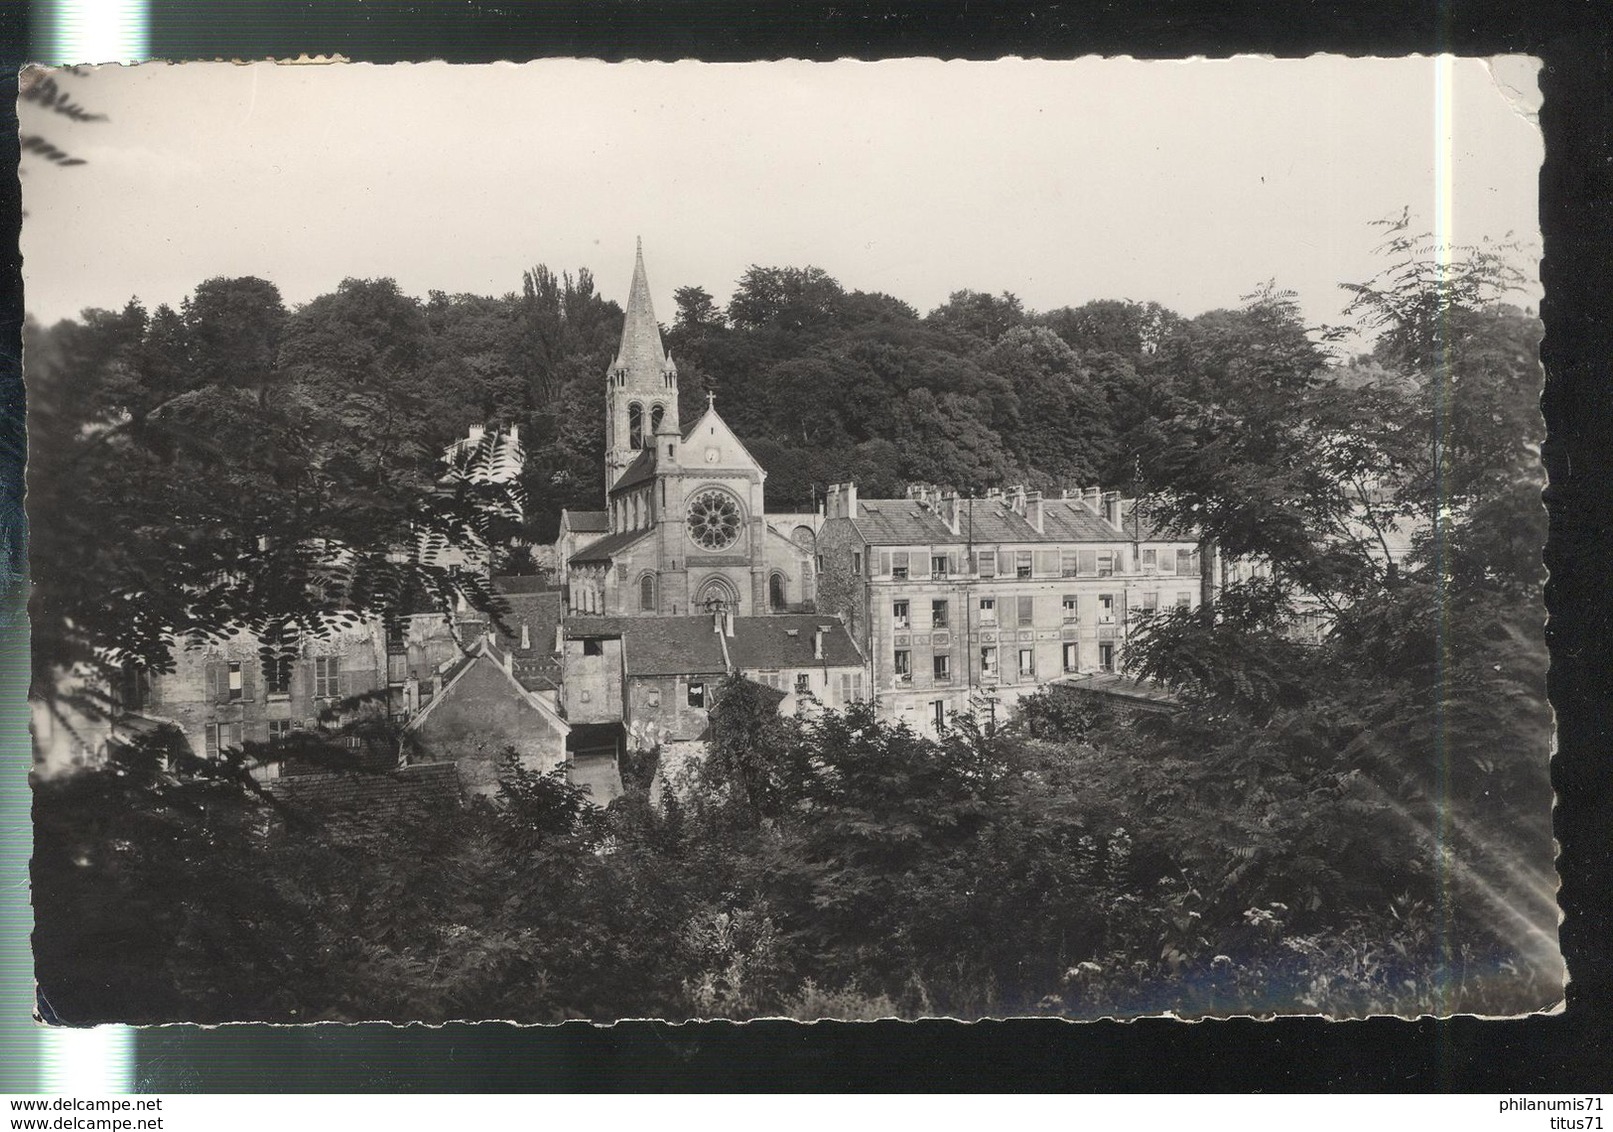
<point>712,445</point>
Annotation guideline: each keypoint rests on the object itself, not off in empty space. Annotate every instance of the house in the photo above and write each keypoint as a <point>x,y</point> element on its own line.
<point>483,711</point>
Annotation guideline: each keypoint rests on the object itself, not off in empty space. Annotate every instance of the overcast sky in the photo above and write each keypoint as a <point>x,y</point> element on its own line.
<point>1188,183</point>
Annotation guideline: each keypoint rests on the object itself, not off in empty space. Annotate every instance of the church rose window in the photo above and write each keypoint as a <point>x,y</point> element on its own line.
<point>714,520</point>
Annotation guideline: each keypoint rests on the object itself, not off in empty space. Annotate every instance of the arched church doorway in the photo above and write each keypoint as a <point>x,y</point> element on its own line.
<point>717,593</point>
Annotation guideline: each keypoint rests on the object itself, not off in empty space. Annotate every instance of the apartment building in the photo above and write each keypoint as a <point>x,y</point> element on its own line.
<point>963,604</point>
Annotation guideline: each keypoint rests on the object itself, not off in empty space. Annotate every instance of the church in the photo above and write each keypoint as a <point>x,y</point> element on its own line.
<point>685,528</point>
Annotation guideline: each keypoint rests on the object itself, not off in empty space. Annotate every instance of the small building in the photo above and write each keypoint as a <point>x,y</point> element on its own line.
<point>482,711</point>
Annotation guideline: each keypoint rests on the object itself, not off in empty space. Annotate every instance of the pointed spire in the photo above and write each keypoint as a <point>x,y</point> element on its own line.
<point>640,353</point>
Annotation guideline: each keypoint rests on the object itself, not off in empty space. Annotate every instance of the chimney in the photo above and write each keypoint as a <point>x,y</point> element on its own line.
<point>1110,509</point>
<point>849,497</point>
<point>476,433</point>
<point>995,493</point>
<point>526,638</point>
<point>947,508</point>
<point>1093,498</point>
<point>1016,498</point>
<point>1033,510</point>
<point>817,641</point>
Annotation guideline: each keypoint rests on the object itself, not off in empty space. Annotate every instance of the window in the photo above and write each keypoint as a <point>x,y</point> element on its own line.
<point>1087,561</point>
<point>988,563</point>
<point>279,730</point>
<point>237,682</point>
<point>943,667</point>
<point>851,687</point>
<point>1185,563</point>
<point>697,694</point>
<point>327,682</point>
<point>775,592</point>
<point>1167,562</point>
<point>1069,564</point>
<point>428,691</point>
<point>1072,609</point>
<point>803,684</point>
<point>1150,560</point>
<point>1106,609</point>
<point>222,737</point>
<point>938,565</point>
<point>938,712</point>
<point>1150,601</point>
<point>135,693</point>
<point>856,562</point>
<point>635,425</point>
<point>646,593</point>
<point>899,565</point>
<point>899,614</point>
<point>1106,656</point>
<point>1072,657</point>
<point>280,676</point>
<point>1184,599</point>
<point>397,667</point>
<point>397,634</point>
<point>988,660</point>
<point>902,664</point>
<point>938,615</point>
<point>819,558</point>
<point>1022,564</point>
<point>656,413</point>
<point>1027,610</point>
<point>1027,662</point>
<point>593,647</point>
<point>988,611</point>
<point>1106,563</point>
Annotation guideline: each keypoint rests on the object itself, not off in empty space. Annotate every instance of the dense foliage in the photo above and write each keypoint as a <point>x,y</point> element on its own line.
<point>1353,823</point>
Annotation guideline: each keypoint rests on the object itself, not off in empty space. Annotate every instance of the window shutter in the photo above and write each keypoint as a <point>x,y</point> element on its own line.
<point>1086,561</point>
<point>235,735</point>
<point>1047,562</point>
<point>1005,562</point>
<point>952,562</point>
<point>249,679</point>
<point>343,678</point>
<point>885,562</point>
<point>220,673</point>
<point>211,734</point>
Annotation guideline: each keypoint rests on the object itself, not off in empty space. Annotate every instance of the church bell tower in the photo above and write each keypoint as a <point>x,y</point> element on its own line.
<point>641,387</point>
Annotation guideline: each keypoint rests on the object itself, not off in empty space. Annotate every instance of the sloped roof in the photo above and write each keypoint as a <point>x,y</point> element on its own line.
<point>588,522</point>
<point>899,522</point>
<point>659,646</point>
<point>641,470</point>
<point>537,667</point>
<point>486,654</point>
<point>362,803</point>
<point>609,546</point>
<point>765,642</point>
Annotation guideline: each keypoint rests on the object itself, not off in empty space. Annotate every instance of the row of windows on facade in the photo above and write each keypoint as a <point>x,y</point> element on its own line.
<point>1110,609</point>
<point>637,437</point>
<point>901,565</point>
<point>941,662</point>
<point>234,681</point>
<point>850,684</point>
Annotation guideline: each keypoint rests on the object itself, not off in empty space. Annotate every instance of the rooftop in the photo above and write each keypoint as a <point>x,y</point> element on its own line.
<point>785,640</point>
<point>899,522</point>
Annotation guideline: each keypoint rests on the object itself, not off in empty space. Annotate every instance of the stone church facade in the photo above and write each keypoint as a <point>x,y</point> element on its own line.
<point>685,526</point>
